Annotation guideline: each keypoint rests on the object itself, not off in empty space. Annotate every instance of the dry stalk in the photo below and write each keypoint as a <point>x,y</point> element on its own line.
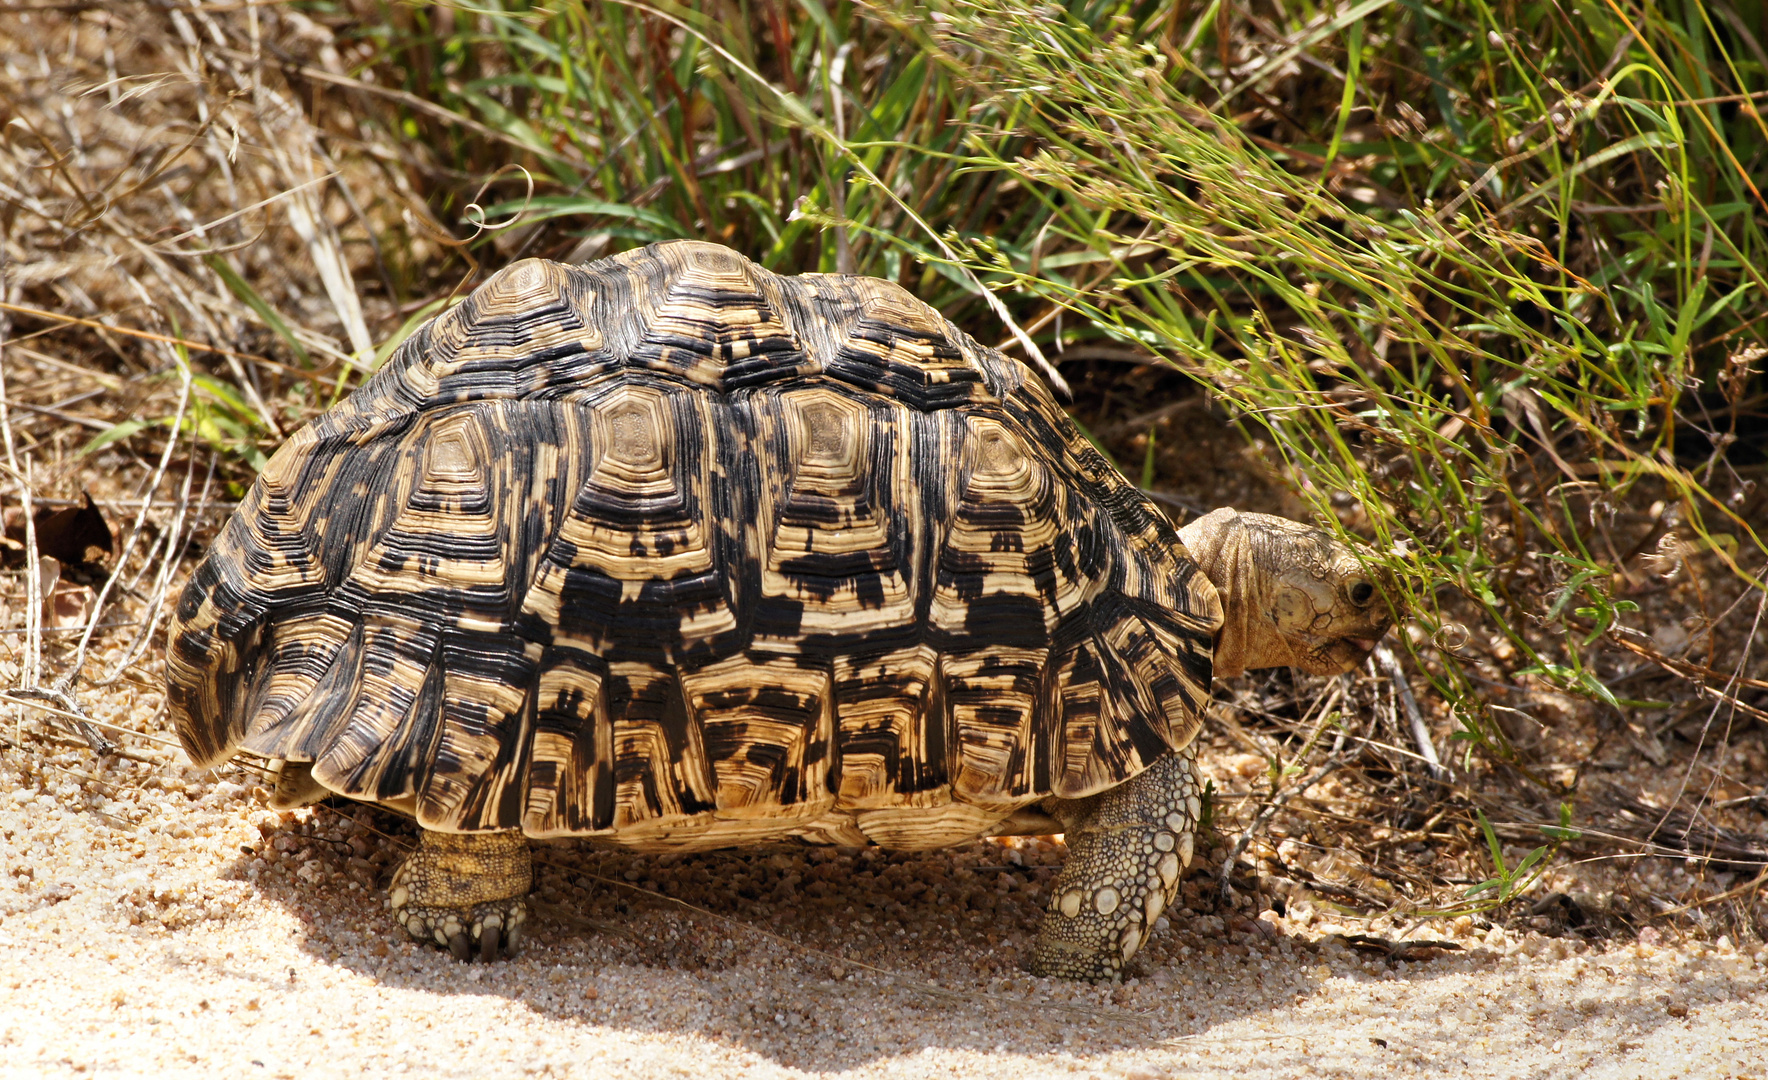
<point>70,320</point>
<point>176,542</point>
<point>1396,675</point>
<point>30,674</point>
<point>71,676</point>
<point>81,718</point>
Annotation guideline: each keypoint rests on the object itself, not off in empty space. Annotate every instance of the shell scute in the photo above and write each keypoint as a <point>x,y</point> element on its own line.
<point>898,347</point>
<point>836,564</point>
<point>890,737</point>
<point>714,324</point>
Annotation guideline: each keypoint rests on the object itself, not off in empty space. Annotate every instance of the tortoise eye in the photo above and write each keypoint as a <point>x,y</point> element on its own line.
<point>1361,593</point>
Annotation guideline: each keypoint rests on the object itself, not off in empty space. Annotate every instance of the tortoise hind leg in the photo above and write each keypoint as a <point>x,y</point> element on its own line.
<point>1127,847</point>
<point>465,891</point>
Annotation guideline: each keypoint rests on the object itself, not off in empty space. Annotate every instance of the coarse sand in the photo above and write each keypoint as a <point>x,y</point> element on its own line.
<point>160,921</point>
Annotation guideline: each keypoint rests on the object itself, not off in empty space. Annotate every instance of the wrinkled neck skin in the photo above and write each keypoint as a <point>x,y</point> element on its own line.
<point>1222,546</point>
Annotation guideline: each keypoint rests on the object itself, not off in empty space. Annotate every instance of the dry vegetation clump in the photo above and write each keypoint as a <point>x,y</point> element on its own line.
<point>1484,314</point>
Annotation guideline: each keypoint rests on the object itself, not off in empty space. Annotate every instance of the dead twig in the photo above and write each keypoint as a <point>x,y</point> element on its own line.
<point>169,564</point>
<point>145,335</point>
<point>1736,890</point>
<point>1265,813</point>
<point>17,697</point>
<point>65,685</point>
<point>30,675</point>
<point>1396,675</point>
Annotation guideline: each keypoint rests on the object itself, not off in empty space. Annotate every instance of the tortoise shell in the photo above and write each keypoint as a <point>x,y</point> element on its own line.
<point>676,552</point>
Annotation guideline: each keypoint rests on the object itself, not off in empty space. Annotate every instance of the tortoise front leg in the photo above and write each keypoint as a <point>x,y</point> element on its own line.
<point>1126,849</point>
<point>464,889</point>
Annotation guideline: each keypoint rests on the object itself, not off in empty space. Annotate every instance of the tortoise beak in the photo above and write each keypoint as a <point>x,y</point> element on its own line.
<point>1359,649</point>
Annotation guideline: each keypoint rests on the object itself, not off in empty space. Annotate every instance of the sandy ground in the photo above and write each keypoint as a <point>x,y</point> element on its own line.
<point>157,921</point>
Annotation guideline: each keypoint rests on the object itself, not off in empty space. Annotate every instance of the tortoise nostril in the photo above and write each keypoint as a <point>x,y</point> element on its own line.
<point>1361,593</point>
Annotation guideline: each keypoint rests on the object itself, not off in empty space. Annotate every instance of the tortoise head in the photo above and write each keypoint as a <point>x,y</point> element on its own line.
<point>1293,595</point>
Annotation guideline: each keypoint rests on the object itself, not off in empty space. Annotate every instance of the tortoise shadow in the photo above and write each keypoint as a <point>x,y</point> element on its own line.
<point>816,958</point>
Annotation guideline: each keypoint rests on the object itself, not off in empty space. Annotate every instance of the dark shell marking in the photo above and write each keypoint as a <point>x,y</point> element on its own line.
<point>678,552</point>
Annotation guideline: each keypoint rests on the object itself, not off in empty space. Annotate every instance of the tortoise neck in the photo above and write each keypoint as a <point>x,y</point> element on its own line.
<point>1222,545</point>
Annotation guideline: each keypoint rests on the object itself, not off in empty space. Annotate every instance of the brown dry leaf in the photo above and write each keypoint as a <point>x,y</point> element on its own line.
<point>69,606</point>
<point>65,603</point>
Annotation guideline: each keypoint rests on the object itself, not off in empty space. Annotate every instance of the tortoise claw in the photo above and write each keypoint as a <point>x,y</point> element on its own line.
<point>487,932</point>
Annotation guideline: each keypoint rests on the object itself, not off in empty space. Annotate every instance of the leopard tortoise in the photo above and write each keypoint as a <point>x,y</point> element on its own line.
<point>672,553</point>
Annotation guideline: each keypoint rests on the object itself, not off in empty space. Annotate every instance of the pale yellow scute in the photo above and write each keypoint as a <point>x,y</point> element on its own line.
<point>994,695</point>
<point>765,724</point>
<point>883,715</point>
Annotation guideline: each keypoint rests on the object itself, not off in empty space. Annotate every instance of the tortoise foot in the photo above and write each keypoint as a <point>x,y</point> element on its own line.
<point>1127,848</point>
<point>465,893</point>
<point>1092,932</point>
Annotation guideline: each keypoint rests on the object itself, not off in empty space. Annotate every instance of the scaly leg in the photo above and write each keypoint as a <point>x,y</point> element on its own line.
<point>1126,849</point>
<point>462,889</point>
